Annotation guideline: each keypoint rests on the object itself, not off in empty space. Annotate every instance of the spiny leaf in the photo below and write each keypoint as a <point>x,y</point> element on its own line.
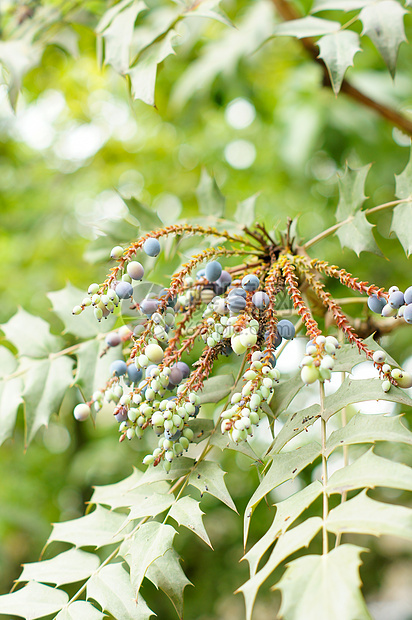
<point>33,601</point>
<point>285,466</point>
<point>118,37</point>
<point>321,587</point>
<point>349,355</point>
<point>363,515</point>
<point>208,8</point>
<point>186,511</point>
<point>208,478</point>
<point>150,504</point>
<point>79,610</point>
<point>216,388</point>
<point>150,541</point>
<point>245,211</point>
<point>93,369</point>
<point>337,51</point>
<point>371,471</point>
<point>67,567</point>
<point>306,27</point>
<point>143,73</point>
<point>31,335</point>
<point>402,225</point>
<point>147,218</point>
<point>286,514</point>
<point>110,14</point>
<point>284,394</point>
<point>383,24</point>
<point>97,529</point>
<point>294,539</point>
<point>351,191</point>
<point>166,573</point>
<point>209,197</point>
<point>368,429</point>
<point>10,393</point>
<point>18,56</point>
<point>339,5</point>
<point>118,494</point>
<point>111,588</point>
<point>357,235</point>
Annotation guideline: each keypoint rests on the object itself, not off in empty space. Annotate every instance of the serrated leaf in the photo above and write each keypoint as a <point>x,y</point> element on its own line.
<point>383,24</point>
<point>118,37</point>
<point>284,394</point>
<point>349,355</point>
<point>337,51</point>
<point>31,335</point>
<point>147,218</point>
<point>18,56</point>
<point>208,477</point>
<point>180,467</point>
<point>10,393</point>
<point>363,515</point>
<point>92,370</point>
<point>321,587</point>
<point>208,8</point>
<point>79,610</point>
<point>186,511</point>
<point>67,567</point>
<point>300,536</point>
<point>371,471</point>
<point>368,429</point>
<point>351,191</point>
<point>285,466</point>
<point>167,574</point>
<point>150,541</point>
<point>306,27</point>
<point>45,384</point>
<point>112,589</point>
<point>68,40</point>
<point>110,14</point>
<point>224,442</point>
<point>245,211</point>
<point>357,235</point>
<point>209,197</point>
<point>339,5</point>
<point>143,73</point>
<point>33,601</point>
<point>202,428</point>
<point>216,388</point>
<point>402,225</point>
<point>403,181</point>
<point>116,495</point>
<point>287,512</point>
<point>150,504</point>
<point>97,529</point>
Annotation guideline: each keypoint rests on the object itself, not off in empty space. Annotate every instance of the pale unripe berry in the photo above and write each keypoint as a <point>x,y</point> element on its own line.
<point>378,357</point>
<point>309,374</point>
<point>154,353</point>
<point>237,345</point>
<point>148,459</point>
<point>135,270</point>
<point>404,380</point>
<point>116,252</point>
<point>81,412</point>
<point>77,310</point>
<point>386,385</point>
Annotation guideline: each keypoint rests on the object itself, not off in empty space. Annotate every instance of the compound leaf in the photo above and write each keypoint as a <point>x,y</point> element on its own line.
<point>186,511</point>
<point>337,51</point>
<point>67,567</point>
<point>32,601</point>
<point>208,478</point>
<point>166,573</point>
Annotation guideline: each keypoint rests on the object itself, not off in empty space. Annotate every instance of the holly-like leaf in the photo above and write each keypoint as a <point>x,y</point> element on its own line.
<point>11,389</point>
<point>92,370</point>
<point>111,588</point>
<point>118,36</point>
<point>363,515</point>
<point>110,15</point>
<point>208,478</point>
<point>208,8</point>
<point>68,40</point>
<point>18,56</point>
<point>186,511</point>
<point>339,5</point>
<point>383,24</point>
<point>166,573</point>
<point>306,27</point>
<point>321,587</point>
<point>33,601</point>
<point>368,429</point>
<point>150,541</point>
<point>147,218</point>
<point>357,235</point>
<point>371,471</point>
<point>118,494</point>
<point>143,73</point>
<point>285,466</point>
<point>209,197</point>
<point>67,567</point>
<point>284,394</point>
<point>402,214</point>
<point>296,538</point>
<point>337,51</point>
<point>97,529</point>
<point>216,388</point>
<point>245,211</point>
<point>349,355</point>
<point>351,191</point>
<point>79,610</point>
<point>150,504</point>
<point>31,335</point>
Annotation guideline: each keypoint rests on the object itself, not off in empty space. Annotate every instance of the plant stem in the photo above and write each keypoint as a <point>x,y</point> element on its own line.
<point>324,470</point>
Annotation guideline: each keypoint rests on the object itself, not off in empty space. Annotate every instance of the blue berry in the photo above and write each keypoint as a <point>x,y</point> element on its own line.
<point>237,291</point>
<point>135,270</point>
<point>396,300</point>
<point>121,416</point>
<point>376,303</point>
<point>152,247</point>
<point>213,271</point>
<point>184,368</point>
<point>407,315</point>
<point>286,329</point>
<point>113,339</point>
<point>176,375</point>
<point>124,290</point>
<point>236,303</point>
<point>260,300</point>
<point>149,306</point>
<point>118,367</point>
<point>250,282</point>
<point>149,369</point>
<point>174,437</point>
<point>134,373</point>
<point>201,274</point>
<point>408,295</point>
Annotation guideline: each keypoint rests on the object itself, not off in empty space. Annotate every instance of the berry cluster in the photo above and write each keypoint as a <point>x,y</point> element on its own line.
<point>397,304</point>
<point>233,311</point>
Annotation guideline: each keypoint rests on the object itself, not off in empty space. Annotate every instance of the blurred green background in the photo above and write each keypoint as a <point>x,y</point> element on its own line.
<point>77,140</point>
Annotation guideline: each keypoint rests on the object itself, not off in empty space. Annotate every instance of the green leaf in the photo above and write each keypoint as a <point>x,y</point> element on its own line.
<point>351,191</point>
<point>208,478</point>
<point>83,325</point>
<point>150,541</point>
<point>296,538</point>
<point>371,471</point>
<point>363,515</point>
<point>287,512</point>
<point>67,567</point>
<point>349,355</point>
<point>306,27</point>
<point>31,335</point>
<point>97,529</point>
<point>33,601</point>
<point>118,37</point>
<point>167,574</point>
<point>224,442</point>
<point>93,370</point>
<point>337,51</point>
<point>368,429</point>
<point>321,587</point>
<point>285,466</point>
<point>143,73</point>
<point>147,218</point>
<point>110,14</point>
<point>245,211</point>
<point>18,56</point>
<point>68,40</point>
<point>209,197</point>
<point>180,467</point>
<point>285,392</point>
<point>79,610</point>
<point>112,589</point>
<point>216,388</point>
<point>339,5</point>
<point>402,226</point>
<point>150,504</point>
<point>383,24</point>
<point>186,511</point>
<point>10,394</point>
<point>118,494</point>
<point>357,235</point>
<point>208,8</point>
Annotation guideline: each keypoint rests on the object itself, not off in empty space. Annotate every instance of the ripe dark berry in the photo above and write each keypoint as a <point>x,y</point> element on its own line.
<point>176,375</point>
<point>151,247</point>
<point>236,303</point>
<point>407,315</point>
<point>134,373</point>
<point>118,367</point>
<point>250,282</point>
<point>376,304</point>
<point>260,300</point>
<point>149,306</point>
<point>113,339</point>
<point>213,271</point>
<point>124,290</point>
<point>408,295</point>
<point>396,300</point>
<point>286,329</point>
<point>184,368</point>
<point>237,291</point>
